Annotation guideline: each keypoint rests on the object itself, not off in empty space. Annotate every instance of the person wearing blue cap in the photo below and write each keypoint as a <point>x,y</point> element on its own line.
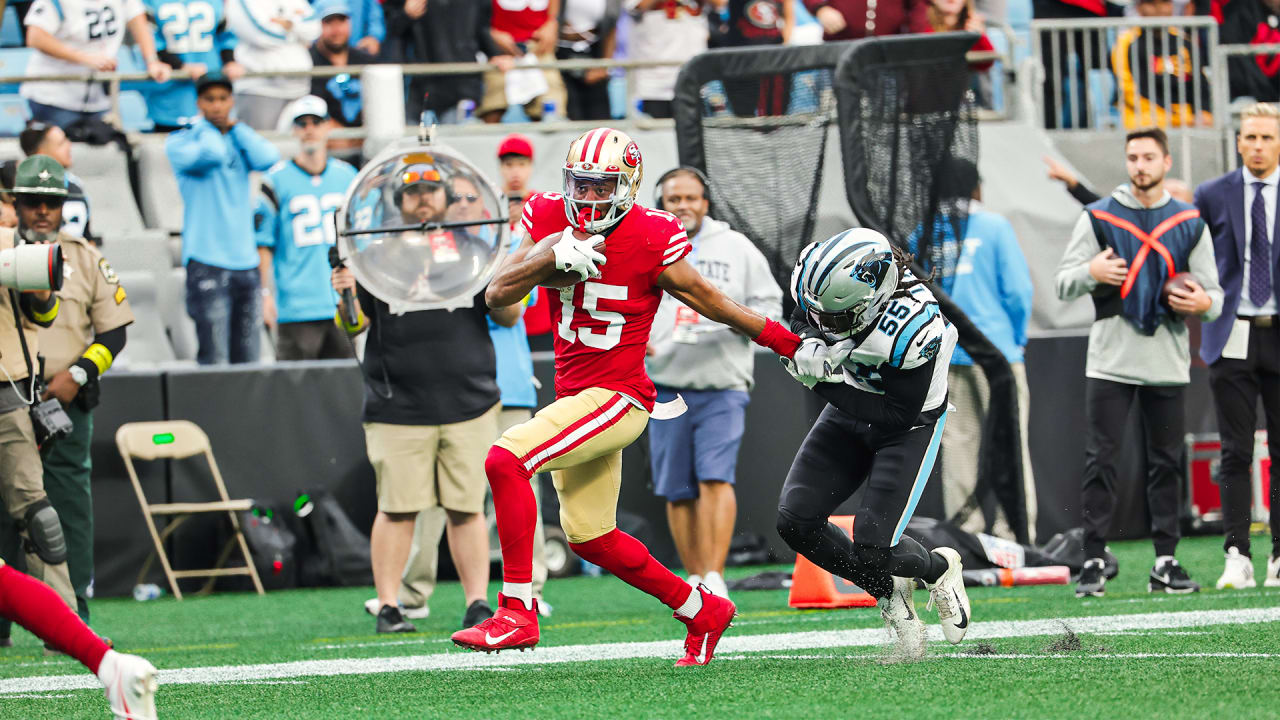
<point>368,23</point>
<point>333,48</point>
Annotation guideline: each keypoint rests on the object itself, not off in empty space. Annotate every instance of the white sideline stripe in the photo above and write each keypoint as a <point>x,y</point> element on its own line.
<point>665,650</point>
<point>1014,656</point>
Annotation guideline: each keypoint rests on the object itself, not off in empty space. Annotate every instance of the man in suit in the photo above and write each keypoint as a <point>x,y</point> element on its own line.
<point>1242,347</point>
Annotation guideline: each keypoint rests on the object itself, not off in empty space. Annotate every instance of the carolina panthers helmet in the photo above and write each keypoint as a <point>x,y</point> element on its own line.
<point>596,156</point>
<point>843,283</point>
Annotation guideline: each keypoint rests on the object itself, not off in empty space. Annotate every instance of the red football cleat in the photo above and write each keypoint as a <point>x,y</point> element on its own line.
<point>705,628</point>
<point>511,627</point>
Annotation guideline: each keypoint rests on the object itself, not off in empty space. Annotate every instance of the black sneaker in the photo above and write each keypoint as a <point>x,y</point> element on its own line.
<point>391,621</point>
<point>1092,581</point>
<point>1169,577</point>
<point>477,612</point>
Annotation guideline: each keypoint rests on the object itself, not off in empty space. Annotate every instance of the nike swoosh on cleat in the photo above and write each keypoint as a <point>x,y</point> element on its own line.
<point>495,640</point>
<point>964,617</point>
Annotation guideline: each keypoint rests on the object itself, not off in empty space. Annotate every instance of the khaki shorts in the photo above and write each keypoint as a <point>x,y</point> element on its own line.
<point>495,92</point>
<point>422,466</point>
<point>580,438</point>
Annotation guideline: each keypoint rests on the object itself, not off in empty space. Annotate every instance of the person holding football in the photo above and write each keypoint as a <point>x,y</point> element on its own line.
<point>611,259</point>
<point>1125,252</point>
<point>877,349</point>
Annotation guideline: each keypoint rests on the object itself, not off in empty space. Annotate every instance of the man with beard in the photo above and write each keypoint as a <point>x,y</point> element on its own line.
<point>342,93</point>
<point>1123,251</point>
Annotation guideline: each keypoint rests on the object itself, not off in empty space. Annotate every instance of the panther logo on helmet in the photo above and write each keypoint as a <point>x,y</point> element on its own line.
<point>872,270</point>
<point>845,282</point>
<point>595,158</point>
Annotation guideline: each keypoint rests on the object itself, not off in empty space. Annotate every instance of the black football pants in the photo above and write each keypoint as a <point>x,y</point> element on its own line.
<point>836,458</point>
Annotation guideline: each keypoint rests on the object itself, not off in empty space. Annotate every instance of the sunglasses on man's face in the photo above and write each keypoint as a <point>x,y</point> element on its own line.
<point>53,203</point>
<point>468,197</point>
<point>307,121</point>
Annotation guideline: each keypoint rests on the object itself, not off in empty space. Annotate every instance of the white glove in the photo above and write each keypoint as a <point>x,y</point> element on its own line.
<point>813,364</point>
<point>578,256</point>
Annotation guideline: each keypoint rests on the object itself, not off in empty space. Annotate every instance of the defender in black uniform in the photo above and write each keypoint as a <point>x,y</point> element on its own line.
<point>876,349</point>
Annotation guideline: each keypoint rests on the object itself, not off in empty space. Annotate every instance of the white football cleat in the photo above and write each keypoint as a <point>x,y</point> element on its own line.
<point>694,580</point>
<point>899,614</point>
<point>716,584</point>
<point>1238,573</point>
<point>949,596</point>
<point>1273,572</point>
<point>130,683</point>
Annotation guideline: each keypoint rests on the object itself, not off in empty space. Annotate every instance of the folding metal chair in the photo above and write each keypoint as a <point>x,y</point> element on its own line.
<point>177,439</point>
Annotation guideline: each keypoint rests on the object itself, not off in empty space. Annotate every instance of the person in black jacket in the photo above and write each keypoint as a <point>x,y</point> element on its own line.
<point>588,31</point>
<point>451,31</point>
<point>1252,22</point>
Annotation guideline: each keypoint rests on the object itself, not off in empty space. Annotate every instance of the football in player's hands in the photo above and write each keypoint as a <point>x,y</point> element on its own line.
<point>563,278</point>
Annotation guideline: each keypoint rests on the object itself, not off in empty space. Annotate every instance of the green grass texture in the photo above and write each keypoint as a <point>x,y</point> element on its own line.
<point>1212,659</point>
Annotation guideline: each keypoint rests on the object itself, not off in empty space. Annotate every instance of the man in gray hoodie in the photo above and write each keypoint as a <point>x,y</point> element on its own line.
<point>694,456</point>
<point>1124,252</point>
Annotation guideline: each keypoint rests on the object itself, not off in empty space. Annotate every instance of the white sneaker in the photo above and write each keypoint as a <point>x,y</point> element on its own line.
<point>716,584</point>
<point>372,606</point>
<point>1273,572</point>
<point>1238,573</point>
<point>949,596</point>
<point>694,580</point>
<point>130,685</point>
<point>544,608</point>
<point>899,614</point>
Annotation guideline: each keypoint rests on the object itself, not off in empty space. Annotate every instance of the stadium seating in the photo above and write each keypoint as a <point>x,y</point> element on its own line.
<point>105,172</point>
<point>179,326</point>
<point>133,112</point>
<point>14,113</point>
<point>10,29</point>
<point>146,345</point>
<point>159,196</point>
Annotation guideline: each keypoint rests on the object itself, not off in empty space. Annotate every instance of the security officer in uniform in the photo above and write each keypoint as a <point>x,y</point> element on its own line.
<point>40,190</point>
<point>84,339</point>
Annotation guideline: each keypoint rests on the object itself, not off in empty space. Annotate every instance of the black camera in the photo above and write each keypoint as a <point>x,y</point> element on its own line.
<point>49,420</point>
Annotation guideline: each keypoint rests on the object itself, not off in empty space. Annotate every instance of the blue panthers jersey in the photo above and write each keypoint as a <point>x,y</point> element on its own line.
<point>195,31</point>
<point>294,218</point>
<point>910,333</point>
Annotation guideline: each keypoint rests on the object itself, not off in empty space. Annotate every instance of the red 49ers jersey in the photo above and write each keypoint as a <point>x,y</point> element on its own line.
<point>601,326</point>
<point>518,17</point>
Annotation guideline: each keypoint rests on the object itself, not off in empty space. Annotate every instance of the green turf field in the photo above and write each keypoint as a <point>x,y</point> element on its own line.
<point>608,652</point>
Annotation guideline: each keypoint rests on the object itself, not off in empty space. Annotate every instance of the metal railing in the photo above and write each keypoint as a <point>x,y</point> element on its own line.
<point>114,80</point>
<point>1170,88</point>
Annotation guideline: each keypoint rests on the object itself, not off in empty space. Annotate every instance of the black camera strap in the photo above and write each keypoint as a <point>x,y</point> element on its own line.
<point>26,352</point>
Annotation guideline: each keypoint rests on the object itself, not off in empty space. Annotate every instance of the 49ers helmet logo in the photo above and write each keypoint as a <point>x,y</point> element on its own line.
<point>631,155</point>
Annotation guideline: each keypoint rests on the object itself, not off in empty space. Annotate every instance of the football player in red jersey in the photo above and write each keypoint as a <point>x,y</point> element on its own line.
<point>604,397</point>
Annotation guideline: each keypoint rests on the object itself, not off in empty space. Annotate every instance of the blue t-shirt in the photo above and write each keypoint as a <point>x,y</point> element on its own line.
<point>515,363</point>
<point>195,31</point>
<point>992,285</point>
<point>294,218</point>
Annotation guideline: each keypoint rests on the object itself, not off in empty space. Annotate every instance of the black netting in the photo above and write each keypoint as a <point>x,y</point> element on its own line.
<point>756,120</point>
<point>908,129</point>
<point>909,132</point>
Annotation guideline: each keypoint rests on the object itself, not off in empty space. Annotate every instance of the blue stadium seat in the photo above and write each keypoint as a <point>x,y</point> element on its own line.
<point>13,115</point>
<point>133,112</point>
<point>13,62</point>
<point>11,29</point>
<point>1019,18</point>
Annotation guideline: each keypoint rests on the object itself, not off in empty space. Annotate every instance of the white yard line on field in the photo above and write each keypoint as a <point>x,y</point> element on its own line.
<point>665,650</point>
